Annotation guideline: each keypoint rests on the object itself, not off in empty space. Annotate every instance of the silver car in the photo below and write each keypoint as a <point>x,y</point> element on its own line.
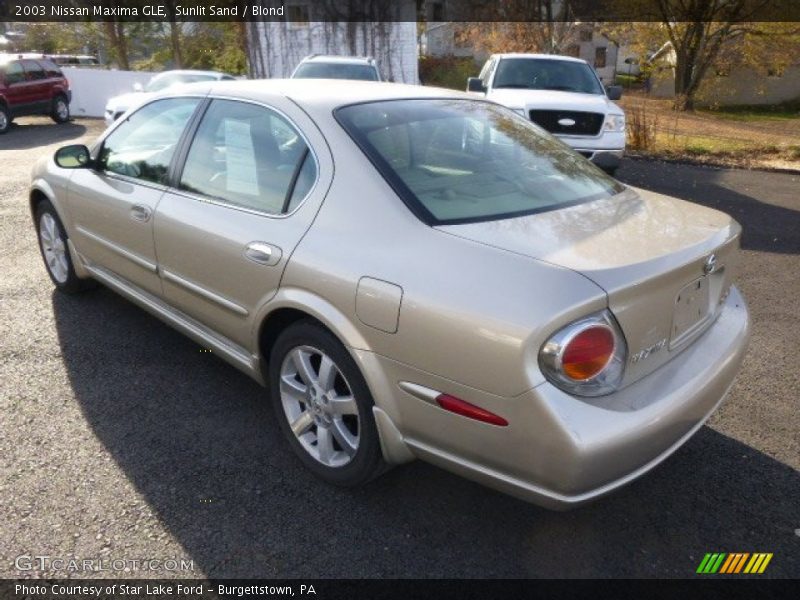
<point>412,273</point>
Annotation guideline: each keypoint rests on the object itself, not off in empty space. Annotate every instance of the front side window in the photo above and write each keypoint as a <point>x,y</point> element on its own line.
<point>249,157</point>
<point>456,161</point>
<point>336,71</point>
<point>33,70</point>
<point>547,74</point>
<point>143,145</point>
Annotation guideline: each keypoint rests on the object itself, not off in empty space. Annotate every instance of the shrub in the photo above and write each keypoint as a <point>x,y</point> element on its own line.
<point>447,71</point>
<point>641,126</point>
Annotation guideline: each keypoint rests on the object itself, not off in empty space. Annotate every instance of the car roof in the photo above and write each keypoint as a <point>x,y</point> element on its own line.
<point>539,56</point>
<point>346,60</point>
<point>305,92</point>
<point>4,58</point>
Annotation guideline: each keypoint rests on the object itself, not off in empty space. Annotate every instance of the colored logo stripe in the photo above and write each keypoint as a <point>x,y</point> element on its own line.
<point>721,562</point>
<point>758,563</point>
<point>734,563</point>
<point>711,563</point>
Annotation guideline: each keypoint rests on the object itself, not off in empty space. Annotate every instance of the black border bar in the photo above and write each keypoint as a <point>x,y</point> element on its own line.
<point>393,10</point>
<point>706,587</point>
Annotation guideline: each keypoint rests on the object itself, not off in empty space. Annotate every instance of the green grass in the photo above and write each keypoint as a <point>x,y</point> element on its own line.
<point>626,80</point>
<point>699,145</point>
<point>778,112</point>
<point>728,151</point>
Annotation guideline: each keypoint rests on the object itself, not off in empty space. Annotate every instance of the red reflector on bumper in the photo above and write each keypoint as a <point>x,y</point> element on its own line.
<point>465,409</point>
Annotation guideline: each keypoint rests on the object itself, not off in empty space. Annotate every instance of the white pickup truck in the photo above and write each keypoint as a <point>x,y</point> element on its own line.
<point>563,95</point>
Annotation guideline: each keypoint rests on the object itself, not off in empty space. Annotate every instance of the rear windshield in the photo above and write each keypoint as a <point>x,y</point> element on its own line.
<point>336,71</point>
<point>459,161</point>
<point>547,74</point>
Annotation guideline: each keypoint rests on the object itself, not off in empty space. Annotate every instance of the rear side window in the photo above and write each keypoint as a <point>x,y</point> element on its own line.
<point>14,73</point>
<point>51,69</point>
<point>249,157</point>
<point>33,70</point>
<point>142,147</point>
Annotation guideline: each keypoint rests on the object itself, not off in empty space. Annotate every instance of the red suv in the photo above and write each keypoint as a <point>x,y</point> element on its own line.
<point>32,87</point>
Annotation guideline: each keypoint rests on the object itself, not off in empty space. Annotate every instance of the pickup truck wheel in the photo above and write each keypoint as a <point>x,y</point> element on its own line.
<point>60,112</point>
<point>55,252</point>
<point>5,119</point>
<point>323,406</point>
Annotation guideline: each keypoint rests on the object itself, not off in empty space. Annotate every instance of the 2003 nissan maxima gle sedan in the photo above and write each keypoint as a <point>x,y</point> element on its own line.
<point>412,273</point>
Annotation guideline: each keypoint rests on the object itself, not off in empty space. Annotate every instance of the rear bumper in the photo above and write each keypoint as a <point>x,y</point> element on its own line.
<point>559,451</point>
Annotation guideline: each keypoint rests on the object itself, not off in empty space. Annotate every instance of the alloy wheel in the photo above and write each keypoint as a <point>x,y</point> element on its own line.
<point>53,248</point>
<point>62,110</point>
<point>319,405</point>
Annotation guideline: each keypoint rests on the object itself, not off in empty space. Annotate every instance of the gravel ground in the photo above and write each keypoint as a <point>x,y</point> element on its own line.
<point>120,439</point>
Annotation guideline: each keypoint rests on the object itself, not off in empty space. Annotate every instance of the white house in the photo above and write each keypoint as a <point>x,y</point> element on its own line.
<point>738,85</point>
<point>443,39</point>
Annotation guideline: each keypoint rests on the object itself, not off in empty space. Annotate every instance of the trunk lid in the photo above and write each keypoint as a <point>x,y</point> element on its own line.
<point>649,252</point>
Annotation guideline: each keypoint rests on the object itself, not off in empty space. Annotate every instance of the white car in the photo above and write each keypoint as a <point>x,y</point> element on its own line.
<point>561,94</point>
<point>119,105</point>
<point>322,66</point>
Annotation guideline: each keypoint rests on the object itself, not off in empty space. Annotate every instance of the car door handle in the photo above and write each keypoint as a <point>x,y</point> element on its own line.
<point>263,253</point>
<point>141,213</point>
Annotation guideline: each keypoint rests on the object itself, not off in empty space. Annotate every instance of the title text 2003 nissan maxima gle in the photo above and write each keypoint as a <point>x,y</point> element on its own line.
<point>412,273</point>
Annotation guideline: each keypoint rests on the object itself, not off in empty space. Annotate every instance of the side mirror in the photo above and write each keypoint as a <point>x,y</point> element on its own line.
<point>76,156</point>
<point>614,92</point>
<point>138,87</point>
<point>474,84</point>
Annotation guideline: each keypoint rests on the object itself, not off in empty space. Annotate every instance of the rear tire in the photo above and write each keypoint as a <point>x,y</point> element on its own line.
<point>323,406</point>
<point>60,112</point>
<point>5,119</point>
<point>55,251</point>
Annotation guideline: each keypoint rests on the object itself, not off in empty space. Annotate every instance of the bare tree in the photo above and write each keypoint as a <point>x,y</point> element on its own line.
<point>117,40</point>
<point>546,26</point>
<point>175,31</point>
<point>699,34</point>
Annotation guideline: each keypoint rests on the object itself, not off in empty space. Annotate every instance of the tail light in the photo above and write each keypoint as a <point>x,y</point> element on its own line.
<point>587,357</point>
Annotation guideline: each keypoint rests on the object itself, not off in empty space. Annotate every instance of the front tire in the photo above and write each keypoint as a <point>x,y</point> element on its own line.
<point>55,251</point>
<point>5,119</point>
<point>323,405</point>
<point>60,113</point>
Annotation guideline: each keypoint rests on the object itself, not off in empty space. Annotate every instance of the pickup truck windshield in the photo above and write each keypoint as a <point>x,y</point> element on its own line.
<point>546,74</point>
<point>457,160</point>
